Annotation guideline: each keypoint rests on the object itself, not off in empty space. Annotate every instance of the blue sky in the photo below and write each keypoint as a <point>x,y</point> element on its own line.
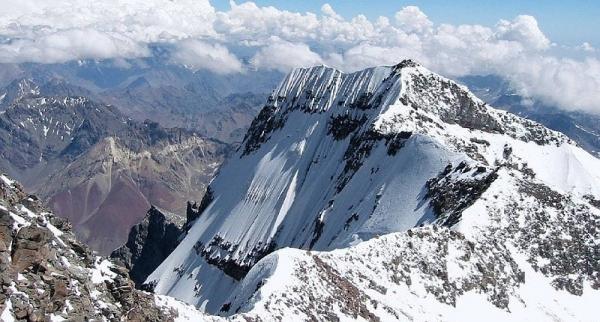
<point>565,22</point>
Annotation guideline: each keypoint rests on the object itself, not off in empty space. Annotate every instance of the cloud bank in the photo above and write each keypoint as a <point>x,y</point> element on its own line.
<point>202,38</point>
<point>198,54</point>
<point>283,56</point>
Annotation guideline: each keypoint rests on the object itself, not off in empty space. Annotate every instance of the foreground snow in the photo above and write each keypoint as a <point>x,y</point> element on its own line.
<point>480,268</point>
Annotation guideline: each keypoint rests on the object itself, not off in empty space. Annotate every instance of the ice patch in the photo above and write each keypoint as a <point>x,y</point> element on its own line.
<point>6,180</point>
<point>102,271</point>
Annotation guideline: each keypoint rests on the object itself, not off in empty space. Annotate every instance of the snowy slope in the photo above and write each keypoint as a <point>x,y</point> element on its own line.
<point>521,252</point>
<point>427,274</point>
<point>337,159</point>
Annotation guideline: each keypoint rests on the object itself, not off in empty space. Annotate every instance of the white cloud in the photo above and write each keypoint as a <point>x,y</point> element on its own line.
<point>412,19</point>
<point>525,30</point>
<point>327,10</point>
<point>61,30</point>
<point>63,46</point>
<point>197,54</point>
<point>55,31</point>
<point>250,24</point>
<point>586,46</point>
<point>139,20</point>
<point>566,82</point>
<point>283,56</point>
<point>366,55</point>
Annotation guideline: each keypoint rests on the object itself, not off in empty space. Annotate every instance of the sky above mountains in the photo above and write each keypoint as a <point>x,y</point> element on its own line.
<point>464,38</point>
<point>566,22</point>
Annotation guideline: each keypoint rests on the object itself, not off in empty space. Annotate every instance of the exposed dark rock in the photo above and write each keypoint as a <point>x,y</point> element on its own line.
<point>464,110</point>
<point>149,243</point>
<point>593,201</point>
<point>358,150</point>
<point>406,63</point>
<point>225,307</point>
<point>396,141</point>
<point>234,267</point>
<point>347,295</point>
<point>363,102</point>
<point>496,280</point>
<point>457,188</point>
<point>193,211</point>
<point>266,122</point>
<point>543,194</point>
<point>341,126</point>
<point>480,141</point>
<point>317,231</point>
<point>360,147</point>
<point>350,219</point>
<point>569,261</point>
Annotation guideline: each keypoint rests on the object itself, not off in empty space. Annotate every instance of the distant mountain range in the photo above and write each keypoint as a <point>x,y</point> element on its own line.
<point>90,137</point>
<point>222,106</point>
<point>218,106</point>
<point>97,167</point>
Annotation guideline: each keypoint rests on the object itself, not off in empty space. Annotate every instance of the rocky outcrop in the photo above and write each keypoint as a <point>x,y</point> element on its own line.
<point>265,122</point>
<point>194,210</point>
<point>149,243</point>
<point>457,188</point>
<point>47,275</point>
<point>30,248</point>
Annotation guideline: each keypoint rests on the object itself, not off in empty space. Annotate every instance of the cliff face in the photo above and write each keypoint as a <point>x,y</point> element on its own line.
<point>149,243</point>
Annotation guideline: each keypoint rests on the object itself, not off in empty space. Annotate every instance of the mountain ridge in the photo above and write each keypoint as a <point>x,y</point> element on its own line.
<point>335,160</point>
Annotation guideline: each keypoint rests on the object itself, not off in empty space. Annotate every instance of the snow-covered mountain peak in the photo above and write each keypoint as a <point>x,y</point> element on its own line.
<point>336,159</point>
<point>26,87</point>
<point>307,87</point>
<point>395,99</point>
<point>17,90</point>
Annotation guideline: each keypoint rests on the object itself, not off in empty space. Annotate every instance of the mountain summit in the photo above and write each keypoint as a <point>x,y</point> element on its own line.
<point>411,187</point>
